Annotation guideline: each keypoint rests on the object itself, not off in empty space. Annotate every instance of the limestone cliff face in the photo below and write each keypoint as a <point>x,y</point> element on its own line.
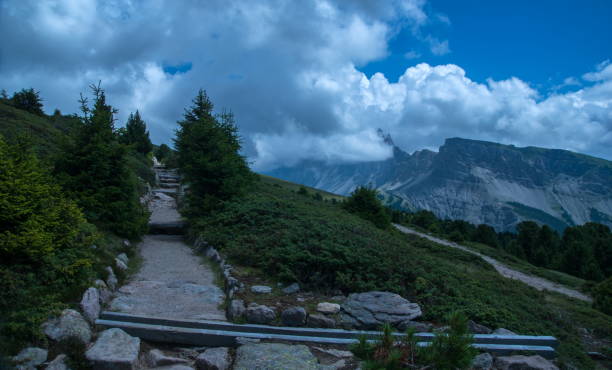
<point>480,182</point>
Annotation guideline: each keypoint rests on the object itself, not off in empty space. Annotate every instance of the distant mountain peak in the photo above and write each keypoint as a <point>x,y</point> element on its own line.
<point>385,137</point>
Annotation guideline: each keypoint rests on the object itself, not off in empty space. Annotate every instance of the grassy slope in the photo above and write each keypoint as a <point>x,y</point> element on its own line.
<point>45,132</point>
<point>296,238</point>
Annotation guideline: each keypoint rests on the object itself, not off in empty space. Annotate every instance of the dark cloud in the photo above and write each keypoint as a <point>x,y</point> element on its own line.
<point>288,72</point>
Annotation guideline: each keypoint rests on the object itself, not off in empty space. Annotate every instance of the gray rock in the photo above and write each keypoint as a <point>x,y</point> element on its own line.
<point>59,363</point>
<point>120,264</point>
<point>105,294</point>
<point>321,321</point>
<point>292,289</point>
<point>260,314</point>
<point>123,257</point>
<point>337,353</point>
<point>328,308</point>
<point>524,363</point>
<point>502,331</point>
<point>274,356</point>
<point>371,309</point>
<point>294,316</point>
<point>483,361</point>
<point>214,359</point>
<point>111,280</point>
<point>244,340</point>
<point>90,304</point>
<point>236,309</point>
<point>173,367</point>
<point>114,349</point>
<point>70,325</point>
<point>419,327</point>
<point>261,289</point>
<point>156,358</point>
<point>30,357</point>
<point>127,244</point>
<point>476,328</point>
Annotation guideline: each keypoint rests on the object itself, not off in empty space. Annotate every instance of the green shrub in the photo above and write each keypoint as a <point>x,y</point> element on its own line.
<point>364,202</point>
<point>44,239</point>
<point>602,296</point>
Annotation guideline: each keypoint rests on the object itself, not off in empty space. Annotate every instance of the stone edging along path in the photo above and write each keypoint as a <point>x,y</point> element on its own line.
<point>505,271</point>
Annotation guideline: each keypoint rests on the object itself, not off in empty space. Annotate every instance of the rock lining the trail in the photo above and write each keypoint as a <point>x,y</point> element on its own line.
<point>370,310</point>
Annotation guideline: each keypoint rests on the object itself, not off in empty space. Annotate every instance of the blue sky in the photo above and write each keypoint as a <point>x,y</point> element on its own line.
<point>540,41</point>
<point>315,79</point>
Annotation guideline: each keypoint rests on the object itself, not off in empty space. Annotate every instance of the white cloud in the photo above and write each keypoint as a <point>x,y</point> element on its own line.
<point>604,72</point>
<point>412,54</point>
<point>436,46</point>
<point>288,70</point>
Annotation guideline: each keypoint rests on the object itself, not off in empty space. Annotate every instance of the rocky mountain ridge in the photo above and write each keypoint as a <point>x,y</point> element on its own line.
<point>478,181</point>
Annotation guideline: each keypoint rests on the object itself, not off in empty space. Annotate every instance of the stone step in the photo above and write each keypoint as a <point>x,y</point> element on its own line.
<point>166,185</point>
<point>167,228</point>
<point>207,335</point>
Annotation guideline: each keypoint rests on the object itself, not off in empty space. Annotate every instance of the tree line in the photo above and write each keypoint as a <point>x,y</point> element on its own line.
<point>62,212</point>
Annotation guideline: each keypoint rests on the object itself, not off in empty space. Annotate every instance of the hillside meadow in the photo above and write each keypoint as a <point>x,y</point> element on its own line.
<point>296,236</point>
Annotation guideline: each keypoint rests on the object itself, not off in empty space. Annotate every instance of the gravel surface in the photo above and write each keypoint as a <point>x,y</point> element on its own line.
<point>172,282</point>
<point>533,281</point>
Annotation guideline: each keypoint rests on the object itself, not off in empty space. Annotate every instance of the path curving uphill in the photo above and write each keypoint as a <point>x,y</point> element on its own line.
<point>172,281</point>
<point>505,271</point>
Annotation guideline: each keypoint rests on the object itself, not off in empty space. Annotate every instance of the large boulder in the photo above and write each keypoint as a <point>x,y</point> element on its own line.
<point>69,326</point>
<point>260,314</point>
<point>321,321</point>
<point>114,349</point>
<point>30,358</point>
<point>90,304</point>
<point>274,356</point>
<point>294,316</point>
<point>520,362</point>
<point>370,310</point>
<point>214,359</point>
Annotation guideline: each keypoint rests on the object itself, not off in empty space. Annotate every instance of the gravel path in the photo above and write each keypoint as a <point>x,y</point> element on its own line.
<point>533,281</point>
<point>172,282</point>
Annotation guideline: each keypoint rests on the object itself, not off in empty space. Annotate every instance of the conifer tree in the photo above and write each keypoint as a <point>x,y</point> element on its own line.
<point>209,158</point>
<point>93,168</point>
<point>136,134</point>
<point>29,100</point>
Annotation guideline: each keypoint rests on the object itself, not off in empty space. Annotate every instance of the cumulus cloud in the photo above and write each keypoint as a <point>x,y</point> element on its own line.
<point>289,72</point>
<point>430,103</point>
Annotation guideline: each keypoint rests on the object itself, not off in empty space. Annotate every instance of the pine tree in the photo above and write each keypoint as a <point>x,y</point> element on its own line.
<point>364,202</point>
<point>93,168</point>
<point>209,158</point>
<point>136,134</point>
<point>28,100</point>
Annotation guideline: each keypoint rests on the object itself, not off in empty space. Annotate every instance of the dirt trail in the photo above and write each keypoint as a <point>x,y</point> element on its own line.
<point>533,281</point>
<point>172,282</point>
